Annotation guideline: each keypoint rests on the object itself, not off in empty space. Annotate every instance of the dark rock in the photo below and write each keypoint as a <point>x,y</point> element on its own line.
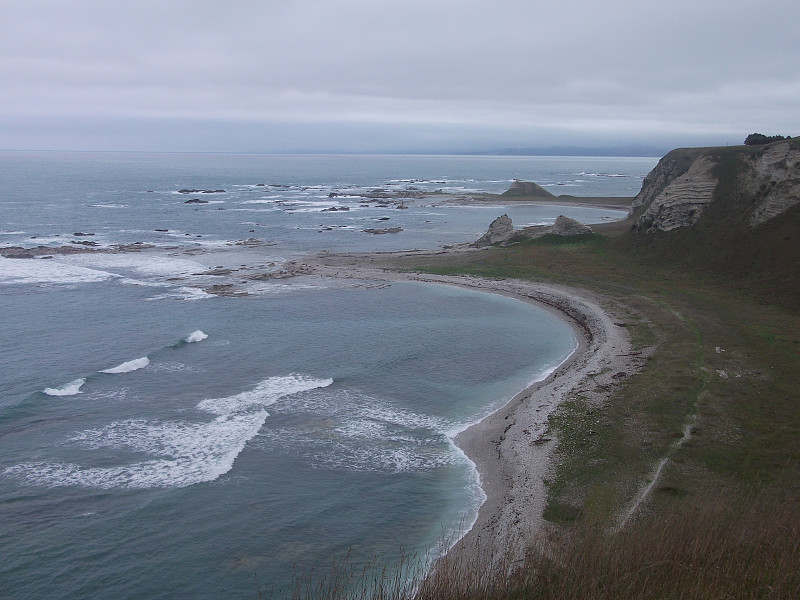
<point>500,230</point>
<point>527,189</point>
<point>382,231</point>
<point>566,226</point>
<point>196,201</point>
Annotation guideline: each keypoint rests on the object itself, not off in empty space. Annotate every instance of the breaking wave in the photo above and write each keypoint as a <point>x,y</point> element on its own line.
<point>127,367</point>
<point>182,453</point>
<point>195,336</point>
<point>69,389</point>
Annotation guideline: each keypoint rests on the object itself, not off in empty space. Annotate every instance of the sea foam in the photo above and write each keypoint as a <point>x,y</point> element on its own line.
<point>183,453</point>
<point>267,392</point>
<point>27,271</point>
<point>68,389</point>
<point>195,336</point>
<point>127,367</point>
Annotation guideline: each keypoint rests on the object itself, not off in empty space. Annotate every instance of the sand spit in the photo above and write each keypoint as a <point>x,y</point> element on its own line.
<point>512,448</point>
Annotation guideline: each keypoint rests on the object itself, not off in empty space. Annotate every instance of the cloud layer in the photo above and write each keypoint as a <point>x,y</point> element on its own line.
<point>504,73</point>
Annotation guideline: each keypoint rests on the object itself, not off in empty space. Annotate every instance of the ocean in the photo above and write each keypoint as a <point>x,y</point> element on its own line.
<point>179,421</point>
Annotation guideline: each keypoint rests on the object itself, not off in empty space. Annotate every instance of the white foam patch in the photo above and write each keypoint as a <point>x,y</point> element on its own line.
<point>356,432</point>
<point>189,453</point>
<point>171,367</point>
<point>70,389</point>
<point>148,264</point>
<point>30,271</point>
<point>183,293</point>
<point>195,336</point>
<point>127,367</point>
<point>183,453</point>
<point>264,394</point>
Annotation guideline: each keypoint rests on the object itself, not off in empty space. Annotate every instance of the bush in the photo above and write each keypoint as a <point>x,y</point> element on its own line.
<point>757,139</point>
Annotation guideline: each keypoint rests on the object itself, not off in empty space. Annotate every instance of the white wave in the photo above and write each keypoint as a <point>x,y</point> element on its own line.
<point>262,200</point>
<point>267,392</point>
<point>28,271</point>
<point>69,389</point>
<point>356,432</point>
<point>12,233</point>
<point>183,293</point>
<point>127,367</point>
<point>183,453</point>
<point>188,453</point>
<point>143,263</point>
<point>171,367</point>
<point>195,336</point>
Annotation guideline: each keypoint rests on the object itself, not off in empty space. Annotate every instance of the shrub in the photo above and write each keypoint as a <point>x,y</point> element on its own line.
<point>757,139</point>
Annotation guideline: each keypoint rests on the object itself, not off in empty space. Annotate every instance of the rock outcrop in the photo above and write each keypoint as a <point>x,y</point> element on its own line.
<point>765,181</point>
<point>774,181</point>
<point>668,169</point>
<point>500,230</point>
<point>682,201</point>
<point>527,189</point>
<point>566,226</point>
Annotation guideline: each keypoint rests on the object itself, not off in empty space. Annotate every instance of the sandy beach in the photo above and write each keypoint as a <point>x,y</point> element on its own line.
<point>512,448</point>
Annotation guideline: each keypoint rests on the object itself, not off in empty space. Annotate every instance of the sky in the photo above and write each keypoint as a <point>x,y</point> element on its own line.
<point>402,76</point>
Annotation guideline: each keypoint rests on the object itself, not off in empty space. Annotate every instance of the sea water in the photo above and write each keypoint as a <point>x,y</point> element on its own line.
<point>158,440</point>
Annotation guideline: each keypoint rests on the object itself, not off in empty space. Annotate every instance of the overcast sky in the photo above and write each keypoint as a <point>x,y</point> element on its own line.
<point>410,75</point>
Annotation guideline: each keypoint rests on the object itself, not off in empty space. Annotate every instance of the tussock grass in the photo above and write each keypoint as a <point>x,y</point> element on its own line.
<point>733,546</point>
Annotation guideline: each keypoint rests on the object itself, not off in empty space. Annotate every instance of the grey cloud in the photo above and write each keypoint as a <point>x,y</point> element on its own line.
<point>720,67</point>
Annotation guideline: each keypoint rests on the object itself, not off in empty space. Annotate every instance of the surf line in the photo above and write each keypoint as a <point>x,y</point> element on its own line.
<point>74,387</point>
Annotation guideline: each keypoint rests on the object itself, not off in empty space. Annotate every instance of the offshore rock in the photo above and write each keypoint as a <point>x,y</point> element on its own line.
<point>528,189</point>
<point>382,231</point>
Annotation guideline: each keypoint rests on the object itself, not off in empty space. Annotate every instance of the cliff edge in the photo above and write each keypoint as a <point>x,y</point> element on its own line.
<point>685,182</point>
<point>730,211</point>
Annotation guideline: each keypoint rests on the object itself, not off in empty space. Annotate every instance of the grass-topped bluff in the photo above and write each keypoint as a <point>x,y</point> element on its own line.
<point>705,276</point>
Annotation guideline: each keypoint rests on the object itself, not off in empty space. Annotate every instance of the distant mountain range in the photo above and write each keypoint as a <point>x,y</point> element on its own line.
<point>625,150</point>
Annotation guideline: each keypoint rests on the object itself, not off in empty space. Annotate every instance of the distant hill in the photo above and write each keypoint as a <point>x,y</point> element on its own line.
<point>733,211</point>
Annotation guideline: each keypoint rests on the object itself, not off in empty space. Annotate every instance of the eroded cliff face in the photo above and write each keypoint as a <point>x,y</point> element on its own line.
<point>669,168</point>
<point>682,202</point>
<point>774,182</point>
<point>684,183</point>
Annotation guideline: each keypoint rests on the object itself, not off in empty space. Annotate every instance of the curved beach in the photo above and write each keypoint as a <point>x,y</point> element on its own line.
<point>512,447</point>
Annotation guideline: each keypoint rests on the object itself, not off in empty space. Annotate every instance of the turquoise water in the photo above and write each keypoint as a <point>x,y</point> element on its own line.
<point>160,441</point>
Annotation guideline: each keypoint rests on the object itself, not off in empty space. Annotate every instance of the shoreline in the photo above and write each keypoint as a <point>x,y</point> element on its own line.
<point>608,202</point>
<point>511,448</point>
